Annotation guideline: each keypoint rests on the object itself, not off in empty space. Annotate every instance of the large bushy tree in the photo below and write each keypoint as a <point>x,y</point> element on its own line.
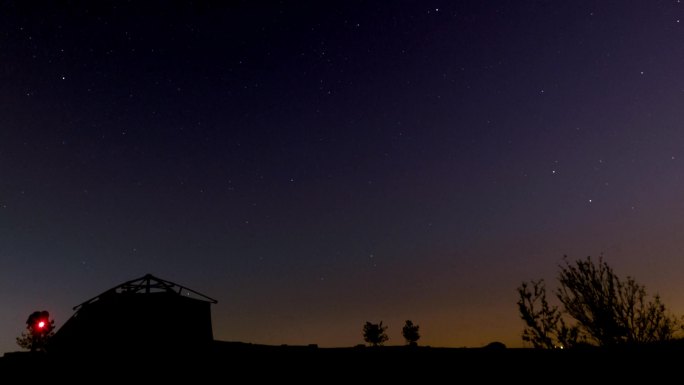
<point>598,308</point>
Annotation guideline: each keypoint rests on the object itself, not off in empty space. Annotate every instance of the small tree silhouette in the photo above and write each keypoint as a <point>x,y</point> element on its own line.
<point>374,334</point>
<point>410,333</point>
<point>39,329</point>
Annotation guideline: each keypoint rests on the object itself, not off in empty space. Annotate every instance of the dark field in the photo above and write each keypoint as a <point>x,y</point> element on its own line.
<point>246,363</point>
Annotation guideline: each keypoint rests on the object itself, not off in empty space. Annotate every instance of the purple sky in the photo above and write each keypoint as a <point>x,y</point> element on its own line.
<point>317,165</point>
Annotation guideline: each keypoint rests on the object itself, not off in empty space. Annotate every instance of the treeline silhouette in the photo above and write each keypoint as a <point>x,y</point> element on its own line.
<point>593,307</point>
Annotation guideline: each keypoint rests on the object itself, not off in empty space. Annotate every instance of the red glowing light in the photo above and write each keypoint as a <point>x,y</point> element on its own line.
<point>41,324</point>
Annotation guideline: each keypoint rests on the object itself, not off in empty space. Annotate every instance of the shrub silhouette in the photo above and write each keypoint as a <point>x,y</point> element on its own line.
<point>496,345</point>
<point>410,333</point>
<point>375,334</point>
<point>39,330</point>
<point>606,310</point>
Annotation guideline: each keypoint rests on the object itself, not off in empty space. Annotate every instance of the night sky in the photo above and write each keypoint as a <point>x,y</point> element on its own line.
<point>317,165</point>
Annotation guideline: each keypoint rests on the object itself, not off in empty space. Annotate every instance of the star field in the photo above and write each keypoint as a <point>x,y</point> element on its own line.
<point>317,165</point>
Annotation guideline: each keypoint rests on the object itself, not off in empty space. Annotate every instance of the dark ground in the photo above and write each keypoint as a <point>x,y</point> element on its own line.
<point>226,362</point>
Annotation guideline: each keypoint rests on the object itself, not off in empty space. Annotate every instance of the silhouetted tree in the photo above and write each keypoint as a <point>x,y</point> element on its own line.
<point>374,334</point>
<point>607,310</point>
<point>410,333</point>
<point>39,330</point>
<point>546,327</point>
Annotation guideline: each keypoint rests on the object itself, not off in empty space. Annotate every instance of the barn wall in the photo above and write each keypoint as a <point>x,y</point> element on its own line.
<point>130,321</point>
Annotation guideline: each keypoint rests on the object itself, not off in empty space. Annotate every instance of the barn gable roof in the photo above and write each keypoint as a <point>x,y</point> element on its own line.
<point>149,284</point>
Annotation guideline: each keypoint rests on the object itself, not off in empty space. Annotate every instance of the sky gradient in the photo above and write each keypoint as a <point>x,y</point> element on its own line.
<point>316,165</point>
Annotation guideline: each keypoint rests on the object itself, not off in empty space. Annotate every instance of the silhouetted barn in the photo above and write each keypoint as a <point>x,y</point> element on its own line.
<point>146,314</point>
